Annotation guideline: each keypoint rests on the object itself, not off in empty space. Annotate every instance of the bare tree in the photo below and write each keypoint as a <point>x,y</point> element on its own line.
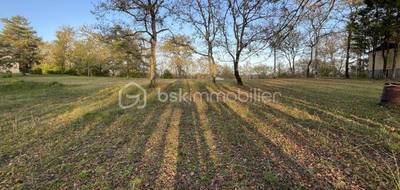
<point>290,48</point>
<point>245,19</point>
<point>275,44</point>
<point>148,17</point>
<point>317,16</point>
<point>203,16</point>
<point>331,46</point>
<point>351,9</point>
<point>249,25</point>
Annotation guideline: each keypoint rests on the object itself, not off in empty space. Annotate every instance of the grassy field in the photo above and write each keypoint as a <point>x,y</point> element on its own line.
<point>69,132</point>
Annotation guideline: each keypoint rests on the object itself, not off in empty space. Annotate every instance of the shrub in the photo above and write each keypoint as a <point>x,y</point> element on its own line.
<point>47,68</point>
<point>36,70</point>
<point>138,75</point>
<point>71,72</point>
<point>53,72</point>
<point>7,74</point>
<point>167,74</point>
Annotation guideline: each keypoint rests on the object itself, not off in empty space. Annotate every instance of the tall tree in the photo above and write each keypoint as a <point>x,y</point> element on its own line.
<point>5,57</point>
<point>148,16</point>
<point>378,23</point>
<point>318,14</point>
<point>244,22</point>
<point>204,16</point>
<point>368,31</point>
<point>179,55</point>
<point>349,29</point>
<point>127,51</point>
<point>20,43</point>
<point>331,47</point>
<point>351,6</point>
<point>89,54</point>
<point>65,38</point>
<point>276,44</point>
<point>290,48</point>
<point>395,33</point>
<point>248,26</point>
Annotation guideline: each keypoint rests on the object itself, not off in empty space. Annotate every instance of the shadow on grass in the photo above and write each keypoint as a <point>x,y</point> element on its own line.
<point>245,158</point>
<point>195,168</point>
<point>345,151</point>
<point>69,154</point>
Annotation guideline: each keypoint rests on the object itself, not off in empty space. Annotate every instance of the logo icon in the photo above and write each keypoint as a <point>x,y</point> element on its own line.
<point>127,101</point>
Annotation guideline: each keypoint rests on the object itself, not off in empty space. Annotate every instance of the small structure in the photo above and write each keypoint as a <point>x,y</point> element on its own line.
<point>391,94</point>
<point>13,69</point>
<point>379,63</point>
<point>219,79</point>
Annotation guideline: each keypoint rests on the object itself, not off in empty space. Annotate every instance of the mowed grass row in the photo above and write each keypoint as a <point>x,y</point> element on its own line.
<point>69,132</point>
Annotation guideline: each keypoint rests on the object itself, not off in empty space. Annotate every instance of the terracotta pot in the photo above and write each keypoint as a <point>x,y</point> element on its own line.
<point>391,94</point>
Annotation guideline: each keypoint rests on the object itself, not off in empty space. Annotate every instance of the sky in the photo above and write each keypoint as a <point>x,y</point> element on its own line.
<point>47,16</point>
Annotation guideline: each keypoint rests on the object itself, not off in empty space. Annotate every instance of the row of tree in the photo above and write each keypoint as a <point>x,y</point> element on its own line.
<point>82,52</point>
<point>312,37</point>
<point>19,44</point>
<point>241,28</point>
<point>375,27</point>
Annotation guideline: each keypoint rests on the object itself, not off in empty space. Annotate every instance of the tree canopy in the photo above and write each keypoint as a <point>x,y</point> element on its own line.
<point>19,44</point>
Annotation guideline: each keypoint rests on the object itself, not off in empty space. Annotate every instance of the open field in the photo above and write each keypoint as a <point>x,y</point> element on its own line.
<point>69,132</point>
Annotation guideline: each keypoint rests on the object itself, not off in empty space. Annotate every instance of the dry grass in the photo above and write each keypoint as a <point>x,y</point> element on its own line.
<point>68,132</point>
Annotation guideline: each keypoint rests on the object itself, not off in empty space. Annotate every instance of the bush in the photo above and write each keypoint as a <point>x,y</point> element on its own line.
<point>138,75</point>
<point>7,74</point>
<point>47,68</point>
<point>71,72</point>
<point>167,74</point>
<point>53,72</point>
<point>284,75</point>
<point>36,70</point>
<point>98,71</point>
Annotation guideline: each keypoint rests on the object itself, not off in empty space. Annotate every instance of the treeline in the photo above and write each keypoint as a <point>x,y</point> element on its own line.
<point>74,52</point>
<point>375,28</point>
<point>306,38</point>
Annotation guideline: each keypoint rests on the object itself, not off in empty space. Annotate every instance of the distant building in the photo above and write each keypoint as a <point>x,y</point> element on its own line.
<point>13,69</point>
<point>14,66</point>
<point>379,63</point>
<point>219,79</point>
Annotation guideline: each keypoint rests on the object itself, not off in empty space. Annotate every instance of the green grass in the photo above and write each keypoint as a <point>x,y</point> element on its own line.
<point>61,132</point>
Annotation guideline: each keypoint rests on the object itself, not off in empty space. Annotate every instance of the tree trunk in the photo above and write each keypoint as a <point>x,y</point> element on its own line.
<point>153,63</point>
<point>88,70</point>
<point>274,61</point>
<point>310,62</point>
<point>333,61</point>
<point>211,63</point>
<point>349,36</point>
<point>153,49</point>
<point>359,62</point>
<point>316,60</point>
<point>62,67</point>
<point>293,69</point>
<point>396,49</point>
<point>127,70</point>
<point>290,65</point>
<point>373,63</point>
<point>385,60</point>
<point>237,75</point>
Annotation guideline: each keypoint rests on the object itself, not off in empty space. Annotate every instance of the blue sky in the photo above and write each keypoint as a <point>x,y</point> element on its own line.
<point>47,16</point>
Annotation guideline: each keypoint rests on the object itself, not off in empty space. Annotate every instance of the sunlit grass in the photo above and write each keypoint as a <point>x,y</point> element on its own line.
<point>69,132</point>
